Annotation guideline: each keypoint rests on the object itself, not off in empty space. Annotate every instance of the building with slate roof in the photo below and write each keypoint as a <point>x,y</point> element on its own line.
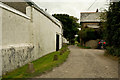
<point>90,19</point>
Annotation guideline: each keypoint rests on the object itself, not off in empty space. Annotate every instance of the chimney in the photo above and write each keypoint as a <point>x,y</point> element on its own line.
<point>97,10</point>
<point>45,9</point>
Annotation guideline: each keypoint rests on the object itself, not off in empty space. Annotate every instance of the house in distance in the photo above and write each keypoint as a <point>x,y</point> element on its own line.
<point>90,19</point>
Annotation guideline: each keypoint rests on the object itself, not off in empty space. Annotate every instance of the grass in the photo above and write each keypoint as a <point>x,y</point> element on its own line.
<point>84,47</point>
<point>41,65</point>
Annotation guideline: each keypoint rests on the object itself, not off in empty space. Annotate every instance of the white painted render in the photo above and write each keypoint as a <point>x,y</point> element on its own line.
<point>0,41</point>
<point>26,38</point>
<point>65,40</point>
<point>44,27</point>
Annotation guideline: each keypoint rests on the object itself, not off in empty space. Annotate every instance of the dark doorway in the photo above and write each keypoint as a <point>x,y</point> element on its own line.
<point>57,42</point>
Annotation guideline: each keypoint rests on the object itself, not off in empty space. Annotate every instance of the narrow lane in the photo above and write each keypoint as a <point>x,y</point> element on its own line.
<point>85,63</point>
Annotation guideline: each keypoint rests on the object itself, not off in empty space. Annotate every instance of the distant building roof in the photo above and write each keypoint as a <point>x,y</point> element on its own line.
<point>90,17</point>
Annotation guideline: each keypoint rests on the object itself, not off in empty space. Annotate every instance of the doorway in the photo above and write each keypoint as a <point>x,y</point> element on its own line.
<point>57,42</point>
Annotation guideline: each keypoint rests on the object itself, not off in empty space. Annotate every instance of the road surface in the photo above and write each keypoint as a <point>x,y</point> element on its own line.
<point>85,63</point>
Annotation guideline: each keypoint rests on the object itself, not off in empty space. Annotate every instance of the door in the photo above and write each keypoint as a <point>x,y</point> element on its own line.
<point>57,42</point>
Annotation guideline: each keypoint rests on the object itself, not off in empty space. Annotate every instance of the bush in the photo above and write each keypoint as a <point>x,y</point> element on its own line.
<point>87,34</point>
<point>113,51</point>
<point>112,29</point>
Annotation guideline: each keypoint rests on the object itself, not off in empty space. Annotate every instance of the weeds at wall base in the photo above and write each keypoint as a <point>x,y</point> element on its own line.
<point>41,66</point>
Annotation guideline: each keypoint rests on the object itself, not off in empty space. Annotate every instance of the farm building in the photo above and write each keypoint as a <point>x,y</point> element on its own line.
<point>27,34</point>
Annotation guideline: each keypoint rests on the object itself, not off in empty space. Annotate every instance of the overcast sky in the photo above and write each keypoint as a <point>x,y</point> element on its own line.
<point>71,7</point>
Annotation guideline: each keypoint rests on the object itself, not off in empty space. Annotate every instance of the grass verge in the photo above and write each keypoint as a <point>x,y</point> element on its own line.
<point>41,65</point>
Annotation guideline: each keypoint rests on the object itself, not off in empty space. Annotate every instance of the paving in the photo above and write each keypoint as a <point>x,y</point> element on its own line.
<point>85,63</point>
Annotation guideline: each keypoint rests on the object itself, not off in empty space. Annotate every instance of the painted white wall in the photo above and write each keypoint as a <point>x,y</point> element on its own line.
<point>26,37</point>
<point>44,33</point>
<point>0,41</point>
<point>65,40</point>
<point>16,29</point>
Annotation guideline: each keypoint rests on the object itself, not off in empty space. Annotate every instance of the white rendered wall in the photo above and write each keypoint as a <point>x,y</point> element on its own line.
<point>26,37</point>
<point>0,42</point>
<point>45,33</point>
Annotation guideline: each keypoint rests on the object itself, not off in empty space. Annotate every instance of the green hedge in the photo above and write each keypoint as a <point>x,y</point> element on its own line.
<point>113,51</point>
<point>87,34</point>
<point>112,29</point>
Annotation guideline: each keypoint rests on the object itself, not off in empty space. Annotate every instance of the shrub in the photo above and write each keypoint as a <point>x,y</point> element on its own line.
<point>112,29</point>
<point>113,51</point>
<point>88,34</point>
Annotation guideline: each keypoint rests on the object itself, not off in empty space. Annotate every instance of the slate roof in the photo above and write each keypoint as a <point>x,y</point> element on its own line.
<point>90,17</point>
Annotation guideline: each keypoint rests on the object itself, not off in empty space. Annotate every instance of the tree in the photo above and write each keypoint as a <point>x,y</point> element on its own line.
<point>112,29</point>
<point>70,26</point>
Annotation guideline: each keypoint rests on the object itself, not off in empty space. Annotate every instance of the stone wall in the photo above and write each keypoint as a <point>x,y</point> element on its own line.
<point>92,43</point>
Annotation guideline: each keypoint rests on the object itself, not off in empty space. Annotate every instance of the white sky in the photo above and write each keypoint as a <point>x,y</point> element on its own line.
<point>71,7</point>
